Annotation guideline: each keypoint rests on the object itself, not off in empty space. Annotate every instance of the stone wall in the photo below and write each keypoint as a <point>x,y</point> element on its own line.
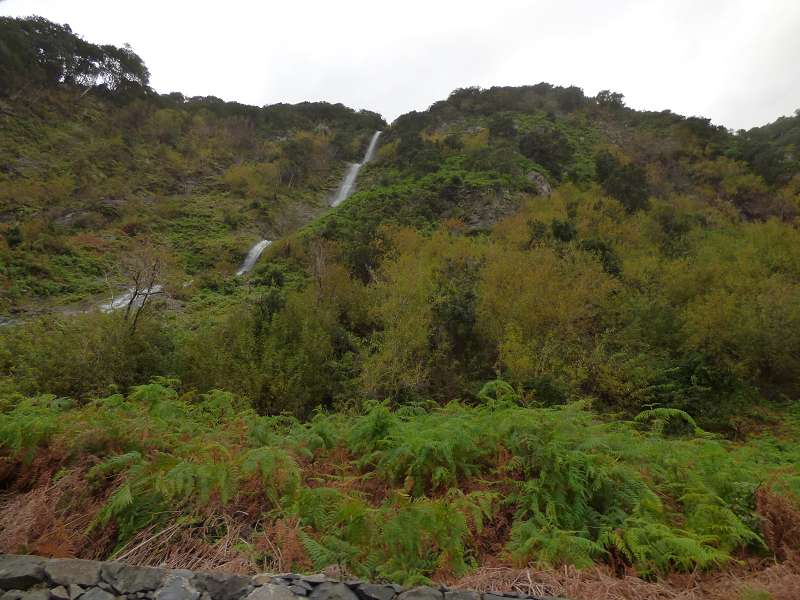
<point>35,578</point>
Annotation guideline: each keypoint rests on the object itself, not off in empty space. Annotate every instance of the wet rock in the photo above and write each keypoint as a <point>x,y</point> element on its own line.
<point>221,586</point>
<point>298,590</point>
<point>64,571</point>
<point>20,572</point>
<point>177,587</point>
<point>333,591</point>
<point>422,592</point>
<point>131,580</point>
<point>271,591</point>
<point>59,593</point>
<point>373,591</point>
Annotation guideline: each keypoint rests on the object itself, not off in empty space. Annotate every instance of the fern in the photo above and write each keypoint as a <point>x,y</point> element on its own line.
<point>280,475</point>
<point>498,393</point>
<point>31,424</point>
<point>550,546</point>
<point>656,548</point>
<point>669,421</point>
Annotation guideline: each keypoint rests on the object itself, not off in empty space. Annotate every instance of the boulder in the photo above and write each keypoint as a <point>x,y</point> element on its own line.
<point>373,591</point>
<point>422,592</point>
<point>59,593</point>
<point>64,571</point>
<point>96,593</point>
<point>12,595</point>
<point>126,579</point>
<point>40,594</point>
<point>271,591</point>
<point>332,591</point>
<point>177,587</point>
<point>20,572</point>
<point>461,595</point>
<point>74,591</point>
<point>222,586</point>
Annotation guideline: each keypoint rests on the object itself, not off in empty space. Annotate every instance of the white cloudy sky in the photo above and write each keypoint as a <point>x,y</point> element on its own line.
<point>736,61</point>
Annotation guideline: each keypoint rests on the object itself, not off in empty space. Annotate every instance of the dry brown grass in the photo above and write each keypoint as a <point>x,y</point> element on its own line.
<point>184,546</point>
<point>781,581</point>
<point>50,519</point>
<point>780,523</point>
<point>281,543</point>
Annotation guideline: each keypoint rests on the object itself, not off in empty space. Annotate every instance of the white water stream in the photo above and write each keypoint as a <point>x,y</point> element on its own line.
<point>348,183</point>
<point>345,189</point>
<point>123,300</point>
<point>252,257</point>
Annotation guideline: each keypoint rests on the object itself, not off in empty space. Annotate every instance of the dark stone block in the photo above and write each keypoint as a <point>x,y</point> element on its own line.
<point>131,580</point>
<point>461,595</point>
<point>20,572</point>
<point>64,571</point>
<point>333,591</point>
<point>177,587</point>
<point>271,591</point>
<point>373,591</point>
<point>74,591</point>
<point>422,592</point>
<point>40,594</point>
<point>96,593</point>
<point>221,586</point>
<point>59,593</point>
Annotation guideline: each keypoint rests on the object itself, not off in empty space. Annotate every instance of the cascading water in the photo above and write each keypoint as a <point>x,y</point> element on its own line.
<point>123,300</point>
<point>349,181</point>
<point>252,257</point>
<point>345,189</point>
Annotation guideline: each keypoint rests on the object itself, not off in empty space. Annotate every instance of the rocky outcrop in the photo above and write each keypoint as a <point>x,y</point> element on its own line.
<point>539,181</point>
<point>35,578</point>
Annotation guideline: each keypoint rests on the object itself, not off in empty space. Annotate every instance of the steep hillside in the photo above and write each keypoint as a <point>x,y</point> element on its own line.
<point>547,332</point>
<point>92,176</point>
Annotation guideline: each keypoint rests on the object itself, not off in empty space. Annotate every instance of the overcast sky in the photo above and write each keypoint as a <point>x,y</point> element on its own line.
<point>736,61</point>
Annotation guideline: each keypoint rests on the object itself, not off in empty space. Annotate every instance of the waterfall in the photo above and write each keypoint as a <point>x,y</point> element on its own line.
<point>123,300</point>
<point>252,257</point>
<point>349,181</point>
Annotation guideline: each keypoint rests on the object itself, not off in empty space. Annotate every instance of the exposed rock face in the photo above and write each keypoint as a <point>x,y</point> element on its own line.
<point>543,186</point>
<point>34,578</point>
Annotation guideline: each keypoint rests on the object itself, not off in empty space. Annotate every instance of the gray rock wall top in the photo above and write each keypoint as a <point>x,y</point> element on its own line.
<point>35,578</point>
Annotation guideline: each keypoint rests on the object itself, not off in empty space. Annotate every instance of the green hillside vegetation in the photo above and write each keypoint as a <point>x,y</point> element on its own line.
<point>93,173</point>
<point>627,282</point>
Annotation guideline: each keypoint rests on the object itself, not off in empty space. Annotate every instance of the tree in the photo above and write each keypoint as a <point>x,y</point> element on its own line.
<point>549,147</point>
<point>610,99</point>
<point>502,126</point>
<point>627,183</point>
<point>38,51</point>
